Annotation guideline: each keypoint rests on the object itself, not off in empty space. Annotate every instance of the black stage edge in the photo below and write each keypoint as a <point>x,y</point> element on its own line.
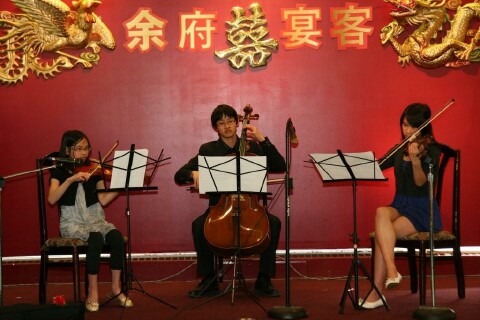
<point>287,312</point>
<point>434,313</point>
<point>22,311</point>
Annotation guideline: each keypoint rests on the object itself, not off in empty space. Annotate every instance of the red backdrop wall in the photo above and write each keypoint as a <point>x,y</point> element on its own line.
<point>337,99</point>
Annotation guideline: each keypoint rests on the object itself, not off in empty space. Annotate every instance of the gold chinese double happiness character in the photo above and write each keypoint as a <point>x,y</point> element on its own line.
<point>247,37</point>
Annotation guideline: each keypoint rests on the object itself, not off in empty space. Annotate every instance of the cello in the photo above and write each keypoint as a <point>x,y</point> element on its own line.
<point>238,223</point>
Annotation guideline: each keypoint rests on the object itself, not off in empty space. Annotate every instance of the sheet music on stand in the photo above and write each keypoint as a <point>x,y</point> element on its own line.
<point>137,172</point>
<point>219,174</point>
<point>332,167</point>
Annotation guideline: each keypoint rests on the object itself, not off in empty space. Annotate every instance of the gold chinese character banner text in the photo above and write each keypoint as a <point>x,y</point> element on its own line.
<point>48,36</point>
<point>247,35</point>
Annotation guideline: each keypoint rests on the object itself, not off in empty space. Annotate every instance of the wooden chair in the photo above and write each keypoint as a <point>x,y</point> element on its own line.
<point>445,239</point>
<point>59,246</point>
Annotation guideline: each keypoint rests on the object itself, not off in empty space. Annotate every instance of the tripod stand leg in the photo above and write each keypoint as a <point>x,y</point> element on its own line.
<point>232,286</point>
<point>148,294</point>
<point>129,275</point>
<point>373,287</point>
<point>357,263</point>
<point>347,289</point>
<point>236,275</point>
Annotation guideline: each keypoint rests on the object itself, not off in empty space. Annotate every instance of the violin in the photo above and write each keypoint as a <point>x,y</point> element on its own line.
<point>238,223</point>
<point>423,143</point>
<point>95,167</point>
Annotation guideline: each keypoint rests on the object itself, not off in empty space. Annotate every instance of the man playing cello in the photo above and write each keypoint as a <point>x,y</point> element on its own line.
<point>224,120</point>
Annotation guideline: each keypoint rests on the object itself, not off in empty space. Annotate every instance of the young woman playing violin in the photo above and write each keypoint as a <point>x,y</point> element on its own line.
<point>82,215</point>
<point>409,211</point>
<point>224,121</point>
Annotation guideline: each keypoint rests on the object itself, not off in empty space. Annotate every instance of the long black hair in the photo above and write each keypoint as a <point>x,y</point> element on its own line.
<point>416,115</point>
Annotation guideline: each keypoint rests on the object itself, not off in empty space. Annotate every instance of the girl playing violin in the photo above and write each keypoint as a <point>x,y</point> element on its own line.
<point>82,215</point>
<point>410,211</point>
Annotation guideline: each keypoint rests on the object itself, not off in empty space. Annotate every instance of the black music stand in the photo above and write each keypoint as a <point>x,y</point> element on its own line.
<point>351,167</point>
<point>224,174</point>
<point>130,277</point>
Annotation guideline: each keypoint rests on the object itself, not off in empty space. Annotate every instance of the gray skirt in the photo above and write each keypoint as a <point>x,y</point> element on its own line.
<point>78,221</point>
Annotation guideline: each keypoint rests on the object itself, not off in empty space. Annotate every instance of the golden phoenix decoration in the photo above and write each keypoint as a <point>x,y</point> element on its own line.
<point>246,34</point>
<point>427,45</point>
<point>50,26</point>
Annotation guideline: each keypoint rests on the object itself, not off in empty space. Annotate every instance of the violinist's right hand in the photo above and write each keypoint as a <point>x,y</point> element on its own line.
<point>80,177</point>
<point>196,178</point>
<point>56,190</point>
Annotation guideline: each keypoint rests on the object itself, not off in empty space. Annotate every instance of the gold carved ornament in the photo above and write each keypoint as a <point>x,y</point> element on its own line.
<point>247,34</point>
<point>435,33</point>
<point>50,26</point>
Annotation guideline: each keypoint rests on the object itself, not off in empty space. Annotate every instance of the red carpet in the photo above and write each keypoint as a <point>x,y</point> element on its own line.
<point>320,298</point>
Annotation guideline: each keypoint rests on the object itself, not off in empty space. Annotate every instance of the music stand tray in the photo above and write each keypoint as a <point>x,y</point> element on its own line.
<point>351,167</point>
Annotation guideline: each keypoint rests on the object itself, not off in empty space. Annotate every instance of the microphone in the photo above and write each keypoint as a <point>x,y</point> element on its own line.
<point>77,162</point>
<point>291,132</point>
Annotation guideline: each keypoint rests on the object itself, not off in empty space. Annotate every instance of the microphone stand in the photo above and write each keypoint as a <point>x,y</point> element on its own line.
<point>2,184</point>
<point>433,312</point>
<point>287,311</point>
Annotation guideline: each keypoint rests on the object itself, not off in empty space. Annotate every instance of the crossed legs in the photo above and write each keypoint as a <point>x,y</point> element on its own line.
<point>390,225</point>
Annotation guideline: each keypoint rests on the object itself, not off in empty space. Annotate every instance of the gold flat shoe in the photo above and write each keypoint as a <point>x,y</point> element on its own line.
<point>92,306</point>
<point>393,282</point>
<point>122,301</point>
<point>371,305</point>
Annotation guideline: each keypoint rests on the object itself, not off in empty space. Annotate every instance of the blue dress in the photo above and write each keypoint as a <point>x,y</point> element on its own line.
<point>417,210</point>
<point>410,200</point>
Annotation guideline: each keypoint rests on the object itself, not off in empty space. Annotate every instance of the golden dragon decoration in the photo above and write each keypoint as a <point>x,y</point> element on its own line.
<point>445,33</point>
<point>36,40</point>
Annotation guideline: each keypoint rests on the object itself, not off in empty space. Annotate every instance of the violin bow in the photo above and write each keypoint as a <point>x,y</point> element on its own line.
<point>105,157</point>
<point>414,136</point>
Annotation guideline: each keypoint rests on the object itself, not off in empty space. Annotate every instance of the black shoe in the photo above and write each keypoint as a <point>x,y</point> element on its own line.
<point>264,287</point>
<point>206,288</point>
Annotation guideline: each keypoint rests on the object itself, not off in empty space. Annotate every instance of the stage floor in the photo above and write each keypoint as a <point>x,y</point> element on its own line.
<point>319,297</point>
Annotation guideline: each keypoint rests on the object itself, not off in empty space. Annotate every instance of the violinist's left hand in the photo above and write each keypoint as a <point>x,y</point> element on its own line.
<point>414,151</point>
<point>254,132</point>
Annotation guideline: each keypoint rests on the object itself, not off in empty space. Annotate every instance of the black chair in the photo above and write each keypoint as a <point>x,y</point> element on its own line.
<point>51,247</point>
<point>445,239</point>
